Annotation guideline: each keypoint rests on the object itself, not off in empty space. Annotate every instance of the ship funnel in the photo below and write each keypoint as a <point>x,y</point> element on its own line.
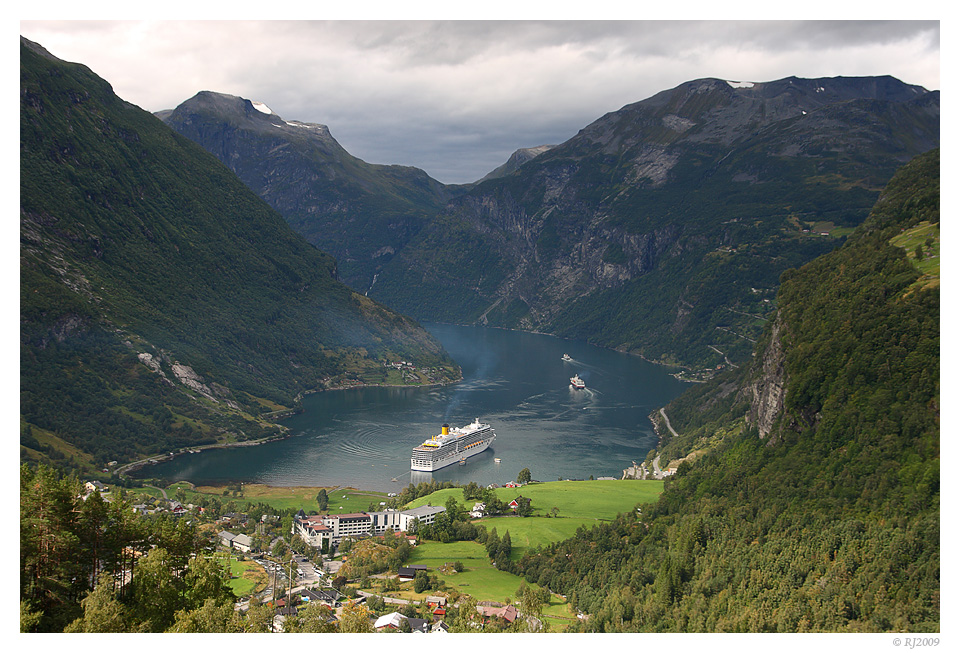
<point>445,429</point>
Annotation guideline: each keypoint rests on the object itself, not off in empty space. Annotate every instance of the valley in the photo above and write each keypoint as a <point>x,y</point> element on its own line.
<point>272,324</point>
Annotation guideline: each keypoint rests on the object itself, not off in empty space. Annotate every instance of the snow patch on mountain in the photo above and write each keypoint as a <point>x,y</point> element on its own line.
<point>262,108</point>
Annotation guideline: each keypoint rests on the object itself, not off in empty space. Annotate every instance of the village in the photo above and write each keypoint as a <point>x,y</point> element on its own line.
<point>347,563</point>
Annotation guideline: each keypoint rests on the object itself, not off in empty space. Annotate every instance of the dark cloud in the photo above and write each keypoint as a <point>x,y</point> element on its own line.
<point>457,98</point>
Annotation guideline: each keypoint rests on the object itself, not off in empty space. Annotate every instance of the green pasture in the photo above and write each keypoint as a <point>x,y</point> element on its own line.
<point>582,500</point>
<point>929,264</point>
<point>341,500</point>
<point>246,577</point>
<point>481,580</point>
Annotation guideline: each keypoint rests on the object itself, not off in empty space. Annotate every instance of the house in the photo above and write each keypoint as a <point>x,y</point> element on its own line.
<point>436,601</point>
<point>242,543</point>
<point>410,571</point>
<point>418,625</point>
<point>226,538</point>
<point>440,627</point>
<point>479,509</point>
<point>328,596</point>
<point>508,613</point>
<point>95,486</point>
<point>395,620</point>
<point>177,509</point>
<point>391,621</point>
<point>520,502</point>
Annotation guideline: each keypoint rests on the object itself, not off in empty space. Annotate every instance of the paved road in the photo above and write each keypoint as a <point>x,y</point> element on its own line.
<point>667,420</point>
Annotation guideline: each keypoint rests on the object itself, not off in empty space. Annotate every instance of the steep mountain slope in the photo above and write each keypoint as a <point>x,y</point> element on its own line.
<point>360,213</point>
<point>809,497</point>
<point>516,160</point>
<point>662,228</point>
<point>162,303</point>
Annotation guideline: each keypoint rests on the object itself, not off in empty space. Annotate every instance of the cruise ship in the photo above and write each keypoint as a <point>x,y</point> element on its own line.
<point>452,446</point>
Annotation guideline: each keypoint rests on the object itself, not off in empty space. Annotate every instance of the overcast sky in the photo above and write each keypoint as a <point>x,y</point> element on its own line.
<point>457,98</point>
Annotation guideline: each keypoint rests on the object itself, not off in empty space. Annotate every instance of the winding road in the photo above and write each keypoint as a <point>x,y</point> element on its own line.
<point>667,422</point>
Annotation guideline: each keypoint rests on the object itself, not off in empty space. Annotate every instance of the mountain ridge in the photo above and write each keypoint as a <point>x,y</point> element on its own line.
<point>805,495</point>
<point>361,213</point>
<point>644,201</point>
<point>163,304</point>
<point>621,234</point>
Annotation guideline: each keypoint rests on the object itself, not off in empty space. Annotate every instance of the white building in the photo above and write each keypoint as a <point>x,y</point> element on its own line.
<point>316,529</point>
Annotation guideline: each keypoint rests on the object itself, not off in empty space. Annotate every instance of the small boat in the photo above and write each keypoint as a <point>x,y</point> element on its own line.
<point>566,358</point>
<point>463,461</point>
<point>496,460</point>
<point>577,382</point>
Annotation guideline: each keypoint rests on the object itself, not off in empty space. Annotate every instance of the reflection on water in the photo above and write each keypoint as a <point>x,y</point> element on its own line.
<point>515,381</point>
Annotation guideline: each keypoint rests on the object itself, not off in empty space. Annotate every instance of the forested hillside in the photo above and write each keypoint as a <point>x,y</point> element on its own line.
<point>814,502</point>
<point>162,303</point>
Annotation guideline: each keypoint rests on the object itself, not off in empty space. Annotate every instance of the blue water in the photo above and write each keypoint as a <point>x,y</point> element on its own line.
<point>515,381</point>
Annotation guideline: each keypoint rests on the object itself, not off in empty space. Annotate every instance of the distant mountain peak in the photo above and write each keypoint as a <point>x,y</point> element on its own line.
<point>516,160</point>
<point>248,114</point>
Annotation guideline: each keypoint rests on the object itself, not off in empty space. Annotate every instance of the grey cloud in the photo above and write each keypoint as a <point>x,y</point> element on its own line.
<point>457,98</point>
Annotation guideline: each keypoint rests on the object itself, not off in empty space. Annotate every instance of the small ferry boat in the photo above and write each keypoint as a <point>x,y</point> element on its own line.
<point>566,358</point>
<point>577,382</point>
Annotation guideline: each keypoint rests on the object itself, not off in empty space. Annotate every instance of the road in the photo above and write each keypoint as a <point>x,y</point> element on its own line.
<point>667,421</point>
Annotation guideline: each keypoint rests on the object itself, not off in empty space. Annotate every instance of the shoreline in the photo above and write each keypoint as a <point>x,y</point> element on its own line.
<point>125,469</point>
<point>676,366</point>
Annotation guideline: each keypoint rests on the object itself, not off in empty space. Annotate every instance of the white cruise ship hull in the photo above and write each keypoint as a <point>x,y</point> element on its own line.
<point>434,465</point>
<point>452,446</point>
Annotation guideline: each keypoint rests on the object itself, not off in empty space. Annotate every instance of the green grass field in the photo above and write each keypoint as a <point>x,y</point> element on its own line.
<point>578,503</point>
<point>929,264</point>
<point>341,500</point>
<point>246,577</point>
<point>584,500</point>
<point>480,579</point>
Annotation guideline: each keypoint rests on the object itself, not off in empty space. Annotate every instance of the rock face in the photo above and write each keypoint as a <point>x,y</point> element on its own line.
<point>769,389</point>
<point>360,213</point>
<point>661,228</point>
<point>692,201</point>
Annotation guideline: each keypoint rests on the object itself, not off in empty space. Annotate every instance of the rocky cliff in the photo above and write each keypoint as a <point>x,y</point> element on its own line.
<point>360,213</point>
<point>768,388</point>
<point>662,228</point>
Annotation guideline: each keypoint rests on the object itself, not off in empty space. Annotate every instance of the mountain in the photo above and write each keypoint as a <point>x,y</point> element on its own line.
<point>361,213</point>
<point>662,228</point>
<point>807,489</point>
<point>516,160</point>
<point>162,303</point>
